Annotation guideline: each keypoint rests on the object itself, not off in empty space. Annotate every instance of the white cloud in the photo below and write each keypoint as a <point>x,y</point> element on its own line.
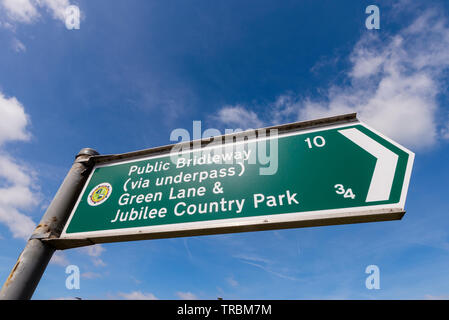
<point>16,193</point>
<point>13,120</point>
<point>17,183</point>
<point>393,84</point>
<point>137,295</point>
<point>55,7</point>
<point>17,178</point>
<point>28,11</point>
<point>238,116</point>
<point>20,10</point>
<point>186,295</point>
<point>18,223</point>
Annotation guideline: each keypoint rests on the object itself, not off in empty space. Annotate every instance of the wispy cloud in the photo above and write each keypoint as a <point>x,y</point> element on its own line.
<point>271,271</point>
<point>266,265</point>
<point>438,297</point>
<point>94,252</point>
<point>137,295</point>
<point>98,262</point>
<point>91,275</point>
<point>445,131</point>
<point>186,295</point>
<point>60,259</point>
<point>18,45</point>
<point>189,253</point>
<point>232,282</point>
<point>253,258</point>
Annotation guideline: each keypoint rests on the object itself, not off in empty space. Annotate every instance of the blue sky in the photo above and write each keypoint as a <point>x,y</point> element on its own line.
<point>136,70</point>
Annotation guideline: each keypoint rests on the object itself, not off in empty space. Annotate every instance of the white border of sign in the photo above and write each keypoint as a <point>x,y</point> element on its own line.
<point>239,224</point>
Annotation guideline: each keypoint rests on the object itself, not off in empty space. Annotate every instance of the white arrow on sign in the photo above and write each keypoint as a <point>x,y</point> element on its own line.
<point>383,175</point>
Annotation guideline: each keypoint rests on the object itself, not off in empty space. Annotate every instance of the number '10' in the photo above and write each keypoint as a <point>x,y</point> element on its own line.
<point>317,141</point>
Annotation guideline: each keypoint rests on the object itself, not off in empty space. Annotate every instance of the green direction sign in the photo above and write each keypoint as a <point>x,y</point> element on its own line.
<point>339,173</point>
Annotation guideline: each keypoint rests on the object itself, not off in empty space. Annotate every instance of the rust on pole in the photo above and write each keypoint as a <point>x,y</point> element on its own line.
<point>31,264</point>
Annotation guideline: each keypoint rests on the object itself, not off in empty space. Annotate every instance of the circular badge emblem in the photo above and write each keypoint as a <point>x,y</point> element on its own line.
<point>99,194</point>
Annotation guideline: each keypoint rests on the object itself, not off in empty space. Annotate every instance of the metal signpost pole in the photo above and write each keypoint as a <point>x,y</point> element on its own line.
<point>33,260</point>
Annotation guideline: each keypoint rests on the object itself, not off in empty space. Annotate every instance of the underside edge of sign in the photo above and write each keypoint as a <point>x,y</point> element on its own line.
<point>264,225</point>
